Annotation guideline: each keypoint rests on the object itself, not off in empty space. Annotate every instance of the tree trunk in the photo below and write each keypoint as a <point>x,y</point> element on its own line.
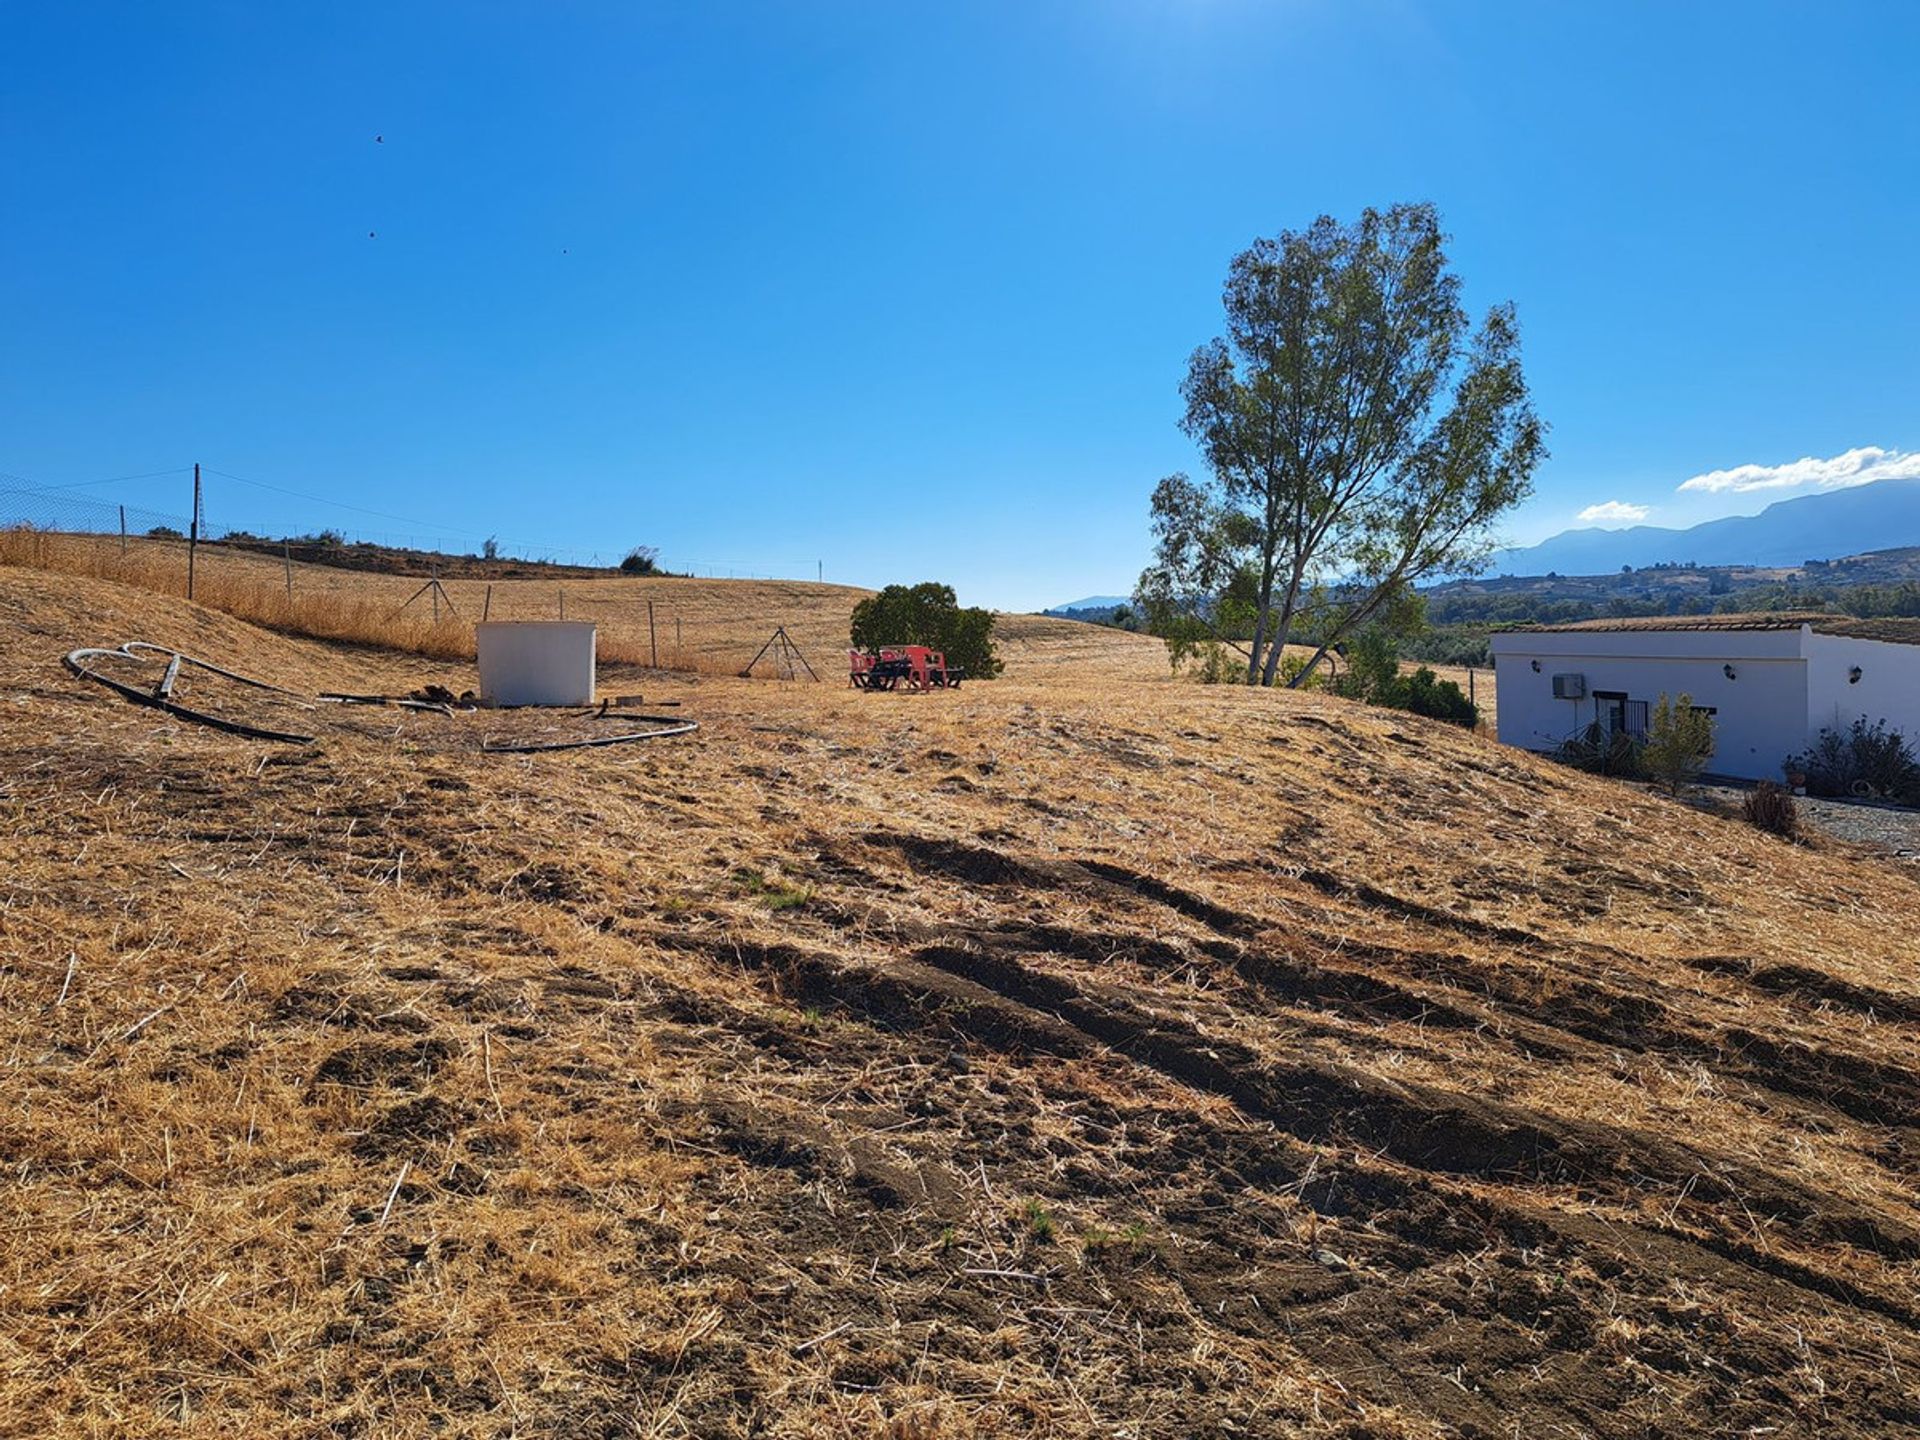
<point>1282,628</point>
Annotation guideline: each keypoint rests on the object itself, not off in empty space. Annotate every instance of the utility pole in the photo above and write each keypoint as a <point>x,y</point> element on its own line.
<point>193,528</point>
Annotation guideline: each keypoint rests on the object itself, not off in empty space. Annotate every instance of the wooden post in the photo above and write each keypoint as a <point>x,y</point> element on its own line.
<point>679,654</point>
<point>1470,699</point>
<point>286,554</point>
<point>123,529</point>
<point>193,528</point>
<point>436,597</point>
<point>652,639</point>
<point>563,602</point>
<point>486,605</point>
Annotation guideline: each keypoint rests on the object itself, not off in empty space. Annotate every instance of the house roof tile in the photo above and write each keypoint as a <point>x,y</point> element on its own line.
<point>1897,630</point>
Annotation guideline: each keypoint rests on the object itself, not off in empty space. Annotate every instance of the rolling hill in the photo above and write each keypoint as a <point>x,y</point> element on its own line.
<point>1061,1056</point>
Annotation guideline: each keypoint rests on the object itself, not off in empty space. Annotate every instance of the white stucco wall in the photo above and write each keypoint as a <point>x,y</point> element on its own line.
<point>536,662</point>
<point>1888,688</point>
<point>1761,714</point>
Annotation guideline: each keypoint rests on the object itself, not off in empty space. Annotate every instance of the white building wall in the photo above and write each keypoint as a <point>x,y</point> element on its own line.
<point>1761,713</point>
<point>1888,688</point>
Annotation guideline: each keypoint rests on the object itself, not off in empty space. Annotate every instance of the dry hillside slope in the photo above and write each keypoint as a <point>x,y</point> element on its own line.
<point>715,626</point>
<point>1058,1059</point>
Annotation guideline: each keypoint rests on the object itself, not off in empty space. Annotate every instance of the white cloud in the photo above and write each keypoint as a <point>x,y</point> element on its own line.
<point>1857,467</point>
<point>1613,510</point>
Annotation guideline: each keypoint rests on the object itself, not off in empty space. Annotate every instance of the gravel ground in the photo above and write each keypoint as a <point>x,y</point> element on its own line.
<point>1893,828</point>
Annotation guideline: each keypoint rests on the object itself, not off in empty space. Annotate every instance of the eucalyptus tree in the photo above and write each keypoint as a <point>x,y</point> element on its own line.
<point>1360,435</point>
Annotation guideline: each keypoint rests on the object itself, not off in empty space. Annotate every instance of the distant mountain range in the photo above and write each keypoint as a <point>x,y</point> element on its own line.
<point>1880,516</point>
<point>1835,523</point>
<point>1092,602</point>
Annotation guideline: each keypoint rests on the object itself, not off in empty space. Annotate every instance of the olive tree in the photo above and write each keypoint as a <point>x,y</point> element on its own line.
<point>1360,436</point>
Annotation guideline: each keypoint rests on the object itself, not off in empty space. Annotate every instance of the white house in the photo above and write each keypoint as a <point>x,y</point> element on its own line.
<point>1772,682</point>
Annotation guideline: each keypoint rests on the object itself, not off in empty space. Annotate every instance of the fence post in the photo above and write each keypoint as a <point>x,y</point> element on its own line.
<point>1470,699</point>
<point>193,528</point>
<point>486,606</point>
<point>563,602</point>
<point>286,553</point>
<point>123,529</point>
<point>652,639</point>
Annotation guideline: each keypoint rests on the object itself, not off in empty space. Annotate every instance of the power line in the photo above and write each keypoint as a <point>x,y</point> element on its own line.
<point>38,489</point>
<point>342,505</point>
<point>527,549</point>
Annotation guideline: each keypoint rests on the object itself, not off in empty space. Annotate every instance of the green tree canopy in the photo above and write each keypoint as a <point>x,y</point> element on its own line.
<point>1358,439</point>
<point>931,615</point>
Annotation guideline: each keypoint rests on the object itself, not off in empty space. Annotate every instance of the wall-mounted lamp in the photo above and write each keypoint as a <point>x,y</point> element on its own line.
<point>1729,672</point>
<point>1853,676</point>
<point>1536,667</point>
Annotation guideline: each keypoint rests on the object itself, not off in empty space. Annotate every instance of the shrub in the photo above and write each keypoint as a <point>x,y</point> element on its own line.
<point>1373,675</point>
<point>641,560</point>
<point>1439,699</point>
<point>1769,808</point>
<point>1290,668</point>
<point>1679,739</point>
<point>1867,760</point>
<point>1211,662</point>
<point>929,615</point>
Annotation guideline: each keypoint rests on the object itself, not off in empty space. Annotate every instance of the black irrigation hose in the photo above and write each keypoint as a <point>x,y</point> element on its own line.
<point>684,727</point>
<point>185,659</point>
<point>76,661</point>
<point>159,698</point>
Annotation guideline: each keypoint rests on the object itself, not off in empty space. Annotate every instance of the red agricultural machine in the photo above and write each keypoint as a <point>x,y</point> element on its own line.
<point>892,667</point>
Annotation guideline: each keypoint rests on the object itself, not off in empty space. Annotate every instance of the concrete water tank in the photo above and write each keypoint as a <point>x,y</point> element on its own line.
<point>535,662</point>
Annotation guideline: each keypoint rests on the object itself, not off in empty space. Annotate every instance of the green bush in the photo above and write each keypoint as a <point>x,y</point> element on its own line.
<point>1679,739</point>
<point>1868,761</point>
<point>1439,699</point>
<point>930,615</point>
<point>1373,675</point>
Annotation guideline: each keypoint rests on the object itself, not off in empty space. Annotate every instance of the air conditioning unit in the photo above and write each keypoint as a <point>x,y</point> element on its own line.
<point>1569,687</point>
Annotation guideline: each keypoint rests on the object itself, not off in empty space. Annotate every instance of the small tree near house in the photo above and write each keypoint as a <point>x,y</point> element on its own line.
<point>1679,739</point>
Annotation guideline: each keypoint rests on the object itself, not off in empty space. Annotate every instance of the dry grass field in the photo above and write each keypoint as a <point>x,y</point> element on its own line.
<point>699,626</point>
<point>1062,1056</point>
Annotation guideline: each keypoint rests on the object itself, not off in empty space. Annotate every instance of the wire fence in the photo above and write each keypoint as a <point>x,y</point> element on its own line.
<point>424,601</point>
<point>59,508</point>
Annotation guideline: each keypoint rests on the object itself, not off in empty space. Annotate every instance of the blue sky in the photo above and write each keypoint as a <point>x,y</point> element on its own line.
<point>906,291</point>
